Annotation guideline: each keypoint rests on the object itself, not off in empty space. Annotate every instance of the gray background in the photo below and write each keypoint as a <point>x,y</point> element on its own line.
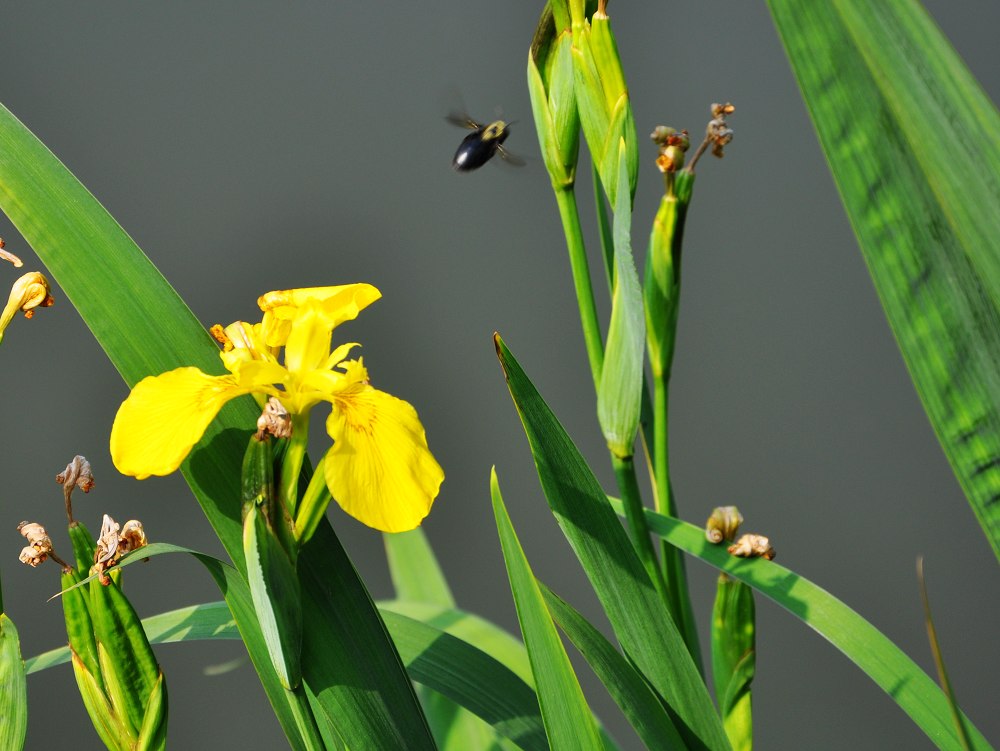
<point>252,146</point>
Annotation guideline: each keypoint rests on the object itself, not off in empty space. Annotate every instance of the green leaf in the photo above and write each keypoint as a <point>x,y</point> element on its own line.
<point>146,329</point>
<point>638,617</point>
<point>641,706</point>
<point>569,723</point>
<point>13,688</point>
<point>414,569</point>
<point>153,733</point>
<point>620,390</point>
<point>914,146</point>
<point>909,686</point>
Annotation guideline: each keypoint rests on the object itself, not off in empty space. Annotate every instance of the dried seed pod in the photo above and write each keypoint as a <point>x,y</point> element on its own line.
<point>752,546</point>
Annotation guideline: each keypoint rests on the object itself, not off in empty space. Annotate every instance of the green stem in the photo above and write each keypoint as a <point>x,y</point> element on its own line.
<point>638,526</point>
<point>315,501</point>
<point>291,466</point>
<point>570,215</point>
<point>674,570</point>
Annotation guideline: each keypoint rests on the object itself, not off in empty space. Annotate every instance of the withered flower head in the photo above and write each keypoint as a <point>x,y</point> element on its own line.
<point>29,292</point>
<point>752,546</point>
<point>274,420</point>
<point>723,524</point>
<point>39,544</point>
<point>107,543</point>
<point>132,537</point>
<point>718,131</point>
<point>77,474</point>
<point>7,256</point>
<point>115,541</point>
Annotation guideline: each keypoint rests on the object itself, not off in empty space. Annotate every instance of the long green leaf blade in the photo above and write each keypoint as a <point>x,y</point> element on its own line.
<point>13,688</point>
<point>569,723</point>
<point>914,146</point>
<point>624,683</point>
<point>638,616</point>
<point>146,329</point>
<point>902,679</point>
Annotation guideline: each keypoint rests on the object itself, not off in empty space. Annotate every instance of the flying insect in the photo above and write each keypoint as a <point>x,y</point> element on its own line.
<point>478,147</point>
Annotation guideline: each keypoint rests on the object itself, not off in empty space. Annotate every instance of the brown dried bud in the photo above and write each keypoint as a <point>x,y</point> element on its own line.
<point>723,524</point>
<point>721,110</point>
<point>77,474</point>
<point>752,546</point>
<point>39,545</point>
<point>274,420</point>
<point>132,537</point>
<point>113,544</point>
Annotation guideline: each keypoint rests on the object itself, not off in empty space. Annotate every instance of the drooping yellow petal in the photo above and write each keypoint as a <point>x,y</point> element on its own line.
<point>337,304</point>
<point>164,416</point>
<point>379,469</point>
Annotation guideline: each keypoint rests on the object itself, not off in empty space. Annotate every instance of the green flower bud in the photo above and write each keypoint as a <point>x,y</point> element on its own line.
<point>734,659</point>
<point>553,101</point>
<point>603,101</point>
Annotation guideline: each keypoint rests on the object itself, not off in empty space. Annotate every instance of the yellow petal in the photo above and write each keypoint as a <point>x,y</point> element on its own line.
<point>164,416</point>
<point>338,304</point>
<point>380,470</point>
<point>308,345</point>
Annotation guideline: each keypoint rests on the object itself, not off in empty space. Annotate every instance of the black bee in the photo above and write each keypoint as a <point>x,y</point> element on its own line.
<point>478,147</point>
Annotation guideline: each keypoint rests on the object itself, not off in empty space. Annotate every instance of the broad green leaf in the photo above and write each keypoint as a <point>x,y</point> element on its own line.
<point>620,390</point>
<point>13,688</point>
<point>909,686</point>
<point>417,577</point>
<point>914,146</point>
<point>414,569</point>
<point>569,723</point>
<point>146,329</point>
<point>624,683</point>
<point>637,615</point>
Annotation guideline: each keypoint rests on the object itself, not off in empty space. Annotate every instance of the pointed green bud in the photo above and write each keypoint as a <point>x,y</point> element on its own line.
<point>663,272</point>
<point>258,490</point>
<point>553,101</point>
<point>274,589</point>
<point>734,659</point>
<point>110,726</point>
<point>79,626</point>
<point>603,101</point>
<point>153,733</point>
<point>128,665</point>
<point>619,394</point>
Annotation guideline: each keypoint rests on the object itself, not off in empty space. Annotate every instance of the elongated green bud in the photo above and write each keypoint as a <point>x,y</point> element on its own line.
<point>553,100</point>
<point>153,733</point>
<point>663,273</point>
<point>79,626</point>
<point>734,659</point>
<point>603,101</point>
<point>110,726</point>
<point>619,392</point>
<point>274,589</point>
<point>128,665</point>
<point>258,490</point>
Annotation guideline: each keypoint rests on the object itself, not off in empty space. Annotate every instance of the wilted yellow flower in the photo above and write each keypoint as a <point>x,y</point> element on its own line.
<point>379,469</point>
<point>29,292</point>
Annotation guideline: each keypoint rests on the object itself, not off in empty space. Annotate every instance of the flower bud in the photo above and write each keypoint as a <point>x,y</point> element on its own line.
<point>723,524</point>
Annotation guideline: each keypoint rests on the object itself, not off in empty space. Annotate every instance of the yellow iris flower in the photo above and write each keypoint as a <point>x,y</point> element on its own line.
<point>379,468</point>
